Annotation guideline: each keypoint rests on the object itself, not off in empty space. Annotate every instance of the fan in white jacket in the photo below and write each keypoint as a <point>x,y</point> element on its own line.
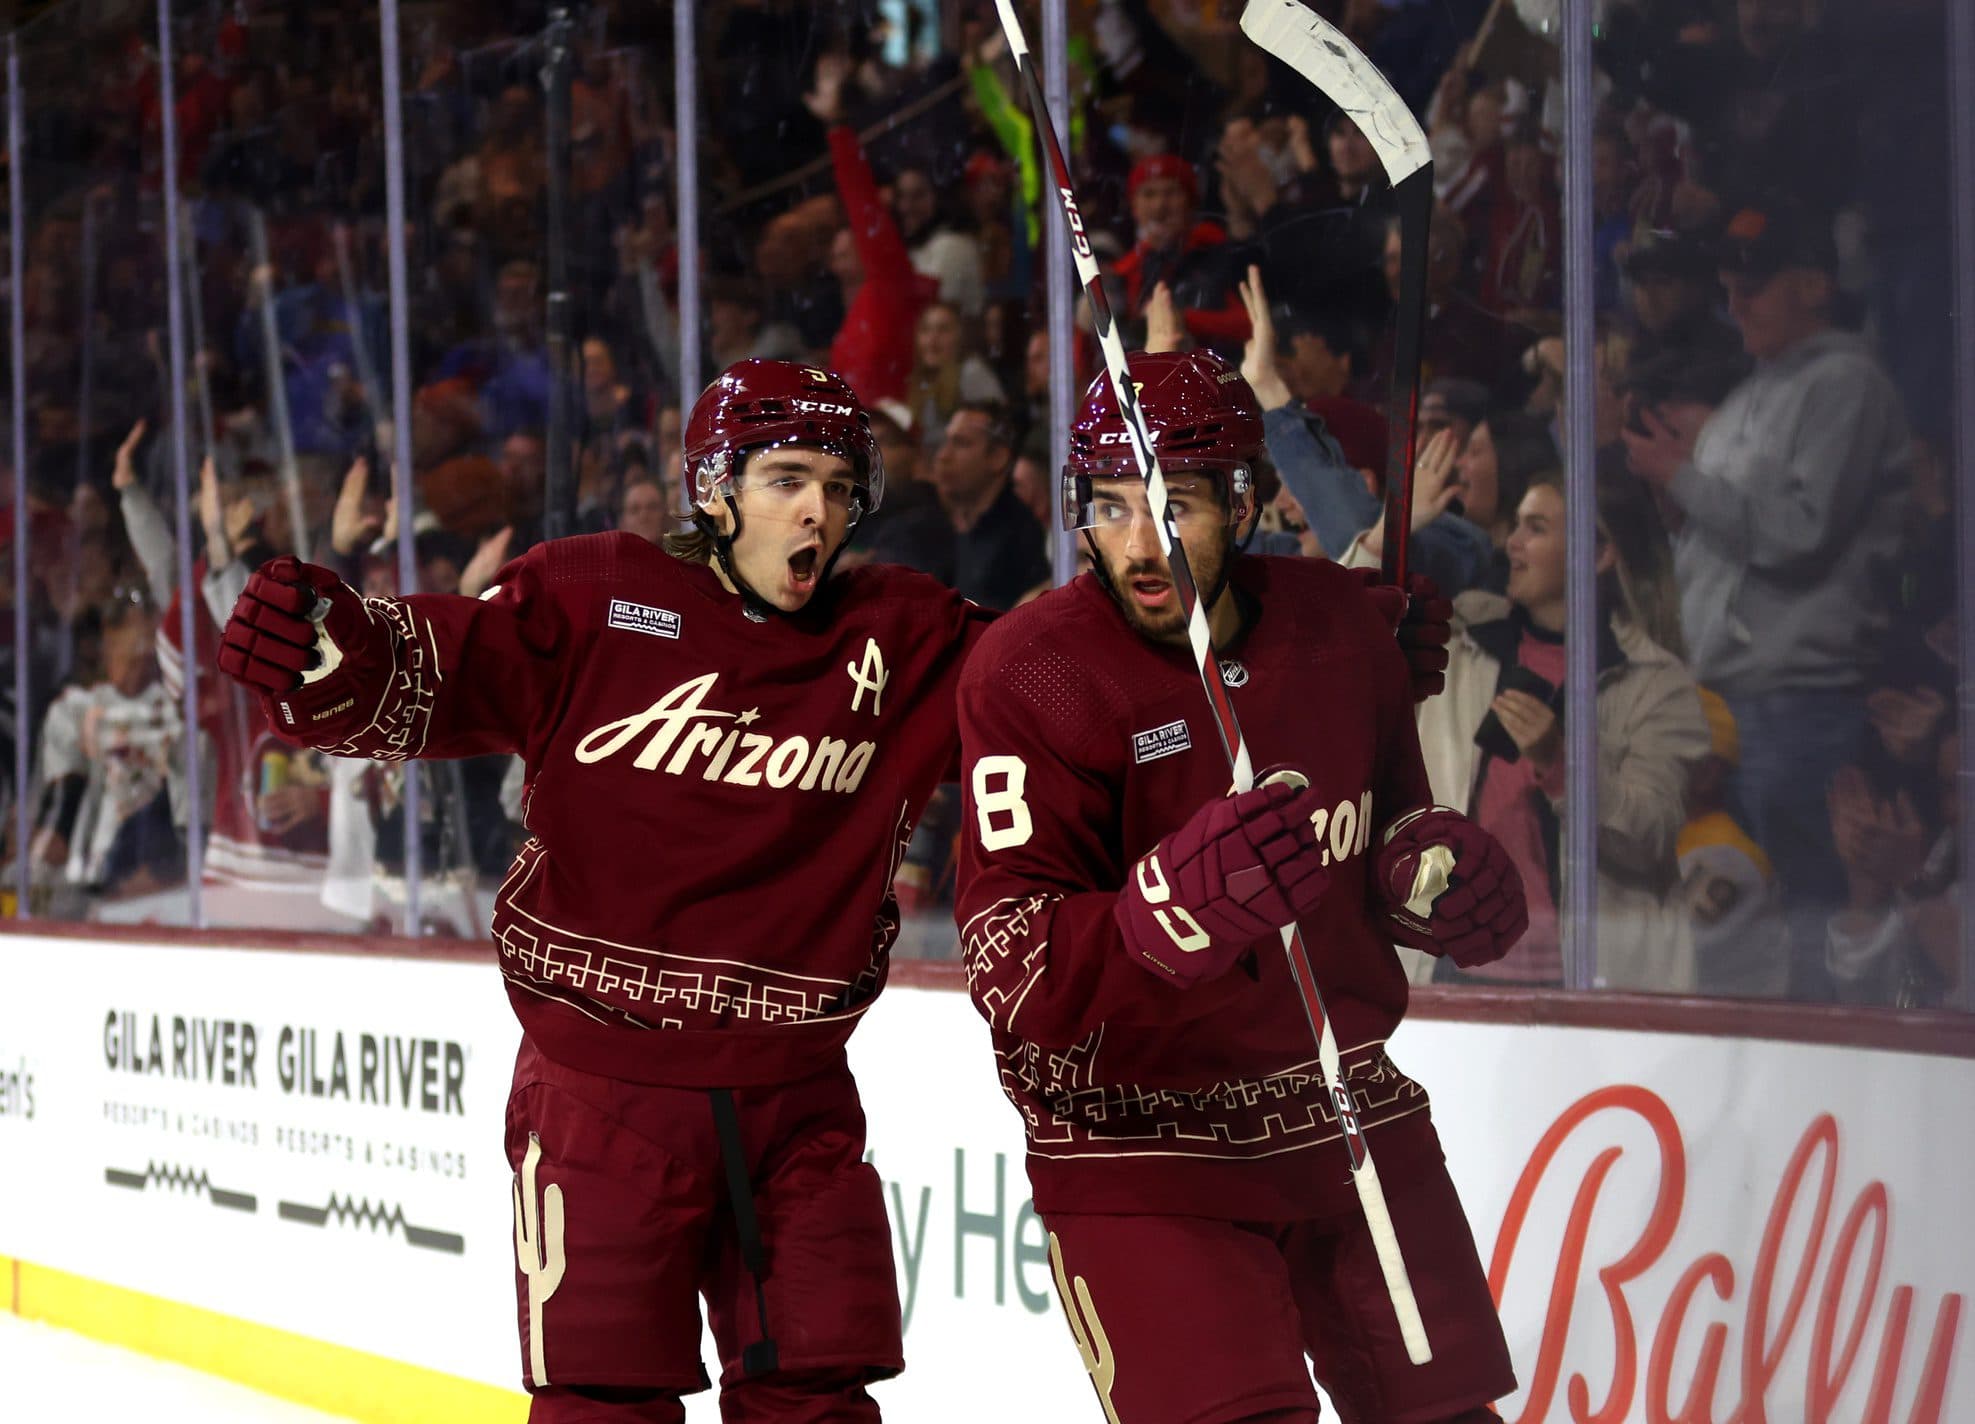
<point>1651,732</point>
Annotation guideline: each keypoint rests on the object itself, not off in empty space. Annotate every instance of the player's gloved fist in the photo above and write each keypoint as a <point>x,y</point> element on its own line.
<point>1238,871</point>
<point>292,638</point>
<point>1422,620</point>
<point>1449,888</point>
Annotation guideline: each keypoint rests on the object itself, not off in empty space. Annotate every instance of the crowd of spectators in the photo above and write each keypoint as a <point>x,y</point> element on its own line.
<point>1777,656</point>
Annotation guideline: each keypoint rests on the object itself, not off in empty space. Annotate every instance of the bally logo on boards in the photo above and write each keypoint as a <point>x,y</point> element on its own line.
<point>643,618</point>
<point>1678,1351</point>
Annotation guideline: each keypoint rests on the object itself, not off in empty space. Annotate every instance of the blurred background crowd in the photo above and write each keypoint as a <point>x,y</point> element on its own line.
<point>1773,406</point>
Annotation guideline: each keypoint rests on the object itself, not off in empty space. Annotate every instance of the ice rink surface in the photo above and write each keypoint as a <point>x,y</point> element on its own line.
<point>58,1377</point>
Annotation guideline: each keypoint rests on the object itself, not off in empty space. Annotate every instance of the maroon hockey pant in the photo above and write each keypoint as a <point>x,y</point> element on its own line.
<point>1190,1320</point>
<point>624,1221</point>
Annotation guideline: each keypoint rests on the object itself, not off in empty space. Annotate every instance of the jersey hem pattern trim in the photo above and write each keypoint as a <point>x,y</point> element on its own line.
<point>1087,1154</point>
<point>612,977</point>
<point>1234,1118</point>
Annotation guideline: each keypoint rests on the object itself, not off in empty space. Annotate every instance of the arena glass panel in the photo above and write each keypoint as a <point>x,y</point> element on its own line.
<point>542,331</point>
<point>1768,229</point>
<point>278,215</point>
<point>1664,188</point>
<point>111,792</point>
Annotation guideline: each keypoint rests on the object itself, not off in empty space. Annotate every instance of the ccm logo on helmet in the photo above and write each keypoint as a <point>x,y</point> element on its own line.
<point>681,725</point>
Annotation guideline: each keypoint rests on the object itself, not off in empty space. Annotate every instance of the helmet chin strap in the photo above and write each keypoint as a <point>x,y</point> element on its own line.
<point>753,604</point>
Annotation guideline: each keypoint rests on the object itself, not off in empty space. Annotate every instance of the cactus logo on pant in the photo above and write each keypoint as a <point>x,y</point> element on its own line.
<point>538,1251</point>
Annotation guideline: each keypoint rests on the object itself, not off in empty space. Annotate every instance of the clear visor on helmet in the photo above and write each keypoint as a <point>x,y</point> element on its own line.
<point>715,478</point>
<point>1109,491</point>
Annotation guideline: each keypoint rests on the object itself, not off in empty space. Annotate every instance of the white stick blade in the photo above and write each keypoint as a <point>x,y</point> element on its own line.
<point>1011,26</point>
<point>1318,50</point>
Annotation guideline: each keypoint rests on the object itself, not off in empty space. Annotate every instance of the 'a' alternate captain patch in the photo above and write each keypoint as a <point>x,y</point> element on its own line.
<point>642,618</point>
<point>1158,742</point>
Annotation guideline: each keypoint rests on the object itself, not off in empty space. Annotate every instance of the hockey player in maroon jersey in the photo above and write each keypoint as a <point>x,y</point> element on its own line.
<point>1119,915</point>
<point>726,752</point>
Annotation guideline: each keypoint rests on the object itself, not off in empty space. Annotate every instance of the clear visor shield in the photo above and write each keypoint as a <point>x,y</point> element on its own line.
<point>716,477</point>
<point>1108,492</point>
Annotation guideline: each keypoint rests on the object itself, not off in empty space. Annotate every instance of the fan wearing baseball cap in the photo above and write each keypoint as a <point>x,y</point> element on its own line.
<point>1673,290</point>
<point>1791,494</point>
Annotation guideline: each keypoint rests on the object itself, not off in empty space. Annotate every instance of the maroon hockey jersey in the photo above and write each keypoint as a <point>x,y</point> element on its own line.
<point>239,850</point>
<point>1084,744</point>
<point>716,804</point>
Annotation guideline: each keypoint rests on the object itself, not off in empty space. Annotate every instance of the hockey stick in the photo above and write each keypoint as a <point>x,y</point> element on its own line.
<point>196,312</point>
<point>1364,1173</point>
<point>1318,50</point>
<point>274,373</point>
<point>356,317</point>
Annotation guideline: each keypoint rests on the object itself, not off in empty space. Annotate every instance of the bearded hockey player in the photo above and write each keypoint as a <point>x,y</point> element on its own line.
<point>725,752</point>
<point>1119,914</point>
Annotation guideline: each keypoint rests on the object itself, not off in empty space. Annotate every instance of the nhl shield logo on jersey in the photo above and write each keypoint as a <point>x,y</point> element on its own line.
<point>1234,674</point>
<point>681,725</point>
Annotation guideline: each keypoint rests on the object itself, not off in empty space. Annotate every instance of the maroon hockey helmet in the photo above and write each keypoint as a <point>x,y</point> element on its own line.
<point>1202,415</point>
<point>756,404</point>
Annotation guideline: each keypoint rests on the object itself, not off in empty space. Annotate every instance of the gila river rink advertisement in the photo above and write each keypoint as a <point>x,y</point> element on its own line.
<point>312,1141</point>
<point>1678,1228</point>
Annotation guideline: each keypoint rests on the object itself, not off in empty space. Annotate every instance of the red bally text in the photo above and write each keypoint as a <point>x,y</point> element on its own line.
<point>1843,1308</point>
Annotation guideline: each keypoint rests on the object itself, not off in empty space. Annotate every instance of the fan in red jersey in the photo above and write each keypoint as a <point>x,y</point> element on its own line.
<point>1119,915</point>
<point>683,1121</point>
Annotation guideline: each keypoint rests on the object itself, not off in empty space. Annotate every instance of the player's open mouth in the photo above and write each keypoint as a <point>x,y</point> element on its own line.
<point>803,565</point>
<point>1151,592</point>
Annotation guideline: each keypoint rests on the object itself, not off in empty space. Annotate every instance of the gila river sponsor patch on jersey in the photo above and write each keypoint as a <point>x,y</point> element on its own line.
<point>1156,742</point>
<point>643,618</point>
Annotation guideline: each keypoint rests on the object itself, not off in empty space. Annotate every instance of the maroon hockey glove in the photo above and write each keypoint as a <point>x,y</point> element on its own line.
<point>1449,888</point>
<point>303,639</point>
<point>1423,622</point>
<point>1238,871</point>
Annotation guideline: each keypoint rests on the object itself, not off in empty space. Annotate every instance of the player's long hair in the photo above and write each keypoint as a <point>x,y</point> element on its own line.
<point>1639,586</point>
<point>692,543</point>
